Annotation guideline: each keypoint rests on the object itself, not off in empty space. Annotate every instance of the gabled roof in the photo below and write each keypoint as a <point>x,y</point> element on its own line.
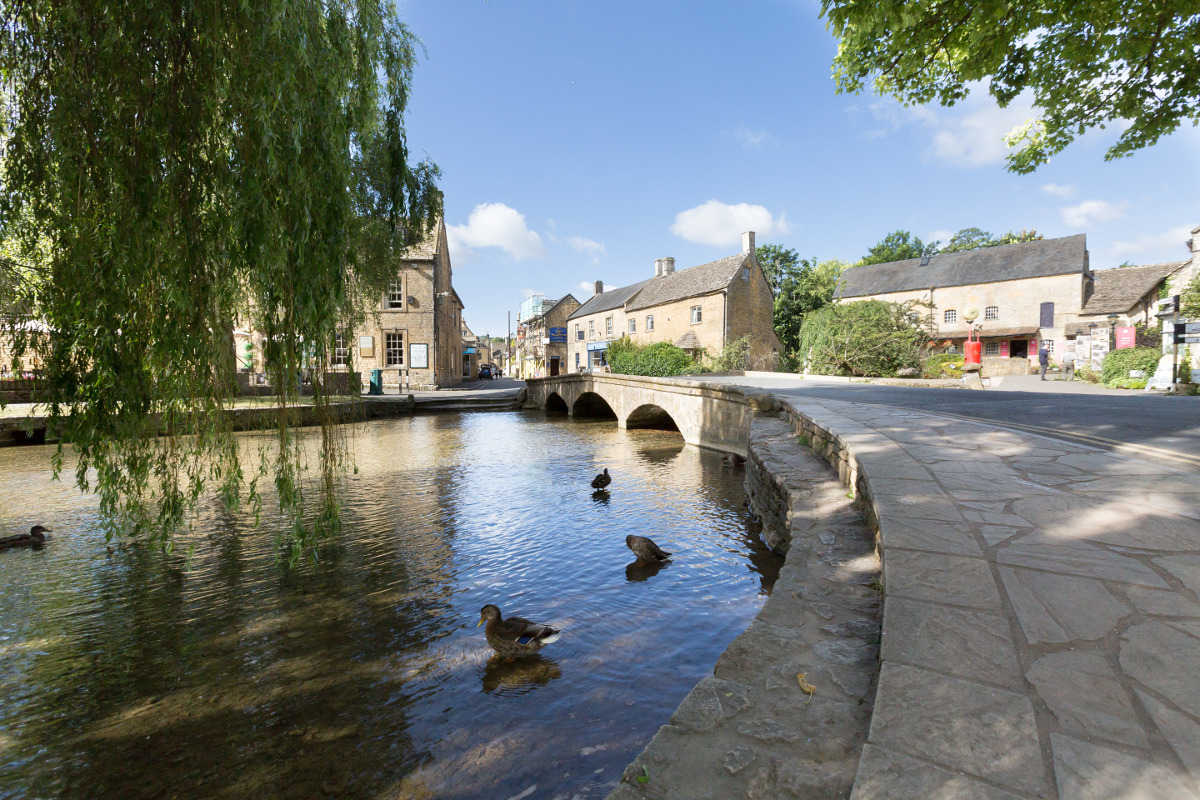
<point>1119,289</point>
<point>606,301</point>
<point>427,248</point>
<point>691,282</point>
<point>688,341</point>
<point>984,265</point>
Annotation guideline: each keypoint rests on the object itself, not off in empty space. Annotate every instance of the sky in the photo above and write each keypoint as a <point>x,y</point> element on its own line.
<point>580,140</point>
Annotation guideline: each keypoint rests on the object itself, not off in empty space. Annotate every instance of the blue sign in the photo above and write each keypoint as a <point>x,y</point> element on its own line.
<point>597,345</point>
<point>558,336</point>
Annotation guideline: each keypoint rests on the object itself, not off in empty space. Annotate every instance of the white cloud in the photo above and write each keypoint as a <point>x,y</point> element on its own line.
<point>587,289</point>
<point>1089,212</point>
<point>942,236</point>
<point>754,140</point>
<point>1153,247</point>
<point>1060,191</point>
<point>528,293</point>
<point>495,225</point>
<point>970,134</point>
<point>587,247</point>
<point>716,223</point>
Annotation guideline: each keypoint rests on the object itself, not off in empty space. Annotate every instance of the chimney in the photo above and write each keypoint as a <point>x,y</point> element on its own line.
<point>598,288</point>
<point>748,242</point>
<point>668,265</point>
<point>658,267</point>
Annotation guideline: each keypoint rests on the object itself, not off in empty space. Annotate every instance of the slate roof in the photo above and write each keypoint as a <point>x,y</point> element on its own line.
<point>1119,289</point>
<point>688,341</point>
<point>691,282</point>
<point>983,265</point>
<point>606,301</point>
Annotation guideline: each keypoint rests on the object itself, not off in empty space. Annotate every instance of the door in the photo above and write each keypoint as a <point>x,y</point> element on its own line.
<point>1020,349</point>
<point>553,366</point>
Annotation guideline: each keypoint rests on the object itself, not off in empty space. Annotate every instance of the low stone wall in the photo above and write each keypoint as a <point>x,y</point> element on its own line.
<point>752,729</point>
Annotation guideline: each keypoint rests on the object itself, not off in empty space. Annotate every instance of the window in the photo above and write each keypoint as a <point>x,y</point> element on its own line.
<point>1049,345</point>
<point>992,312</point>
<point>591,329</point>
<point>746,274</point>
<point>577,359</point>
<point>1047,315</point>
<point>608,327</point>
<point>578,333</point>
<point>393,349</point>
<point>395,295</point>
<point>696,316</point>
<point>991,348</point>
<point>951,315</point>
<point>649,322</point>
<point>632,325</point>
<point>341,350</point>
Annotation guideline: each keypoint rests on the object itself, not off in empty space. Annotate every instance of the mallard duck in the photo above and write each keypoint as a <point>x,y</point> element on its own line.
<point>514,636</point>
<point>36,536</point>
<point>645,549</point>
<point>602,480</point>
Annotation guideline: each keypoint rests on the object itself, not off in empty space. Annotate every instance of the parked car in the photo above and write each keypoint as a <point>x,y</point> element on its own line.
<point>485,372</point>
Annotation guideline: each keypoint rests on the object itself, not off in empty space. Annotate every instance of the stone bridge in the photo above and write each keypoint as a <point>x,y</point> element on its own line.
<point>708,415</point>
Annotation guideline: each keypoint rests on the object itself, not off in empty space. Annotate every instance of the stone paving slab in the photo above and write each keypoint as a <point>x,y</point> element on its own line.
<point>1041,633</point>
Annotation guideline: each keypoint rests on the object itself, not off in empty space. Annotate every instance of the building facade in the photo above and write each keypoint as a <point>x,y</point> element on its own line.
<point>700,309</point>
<point>542,346</point>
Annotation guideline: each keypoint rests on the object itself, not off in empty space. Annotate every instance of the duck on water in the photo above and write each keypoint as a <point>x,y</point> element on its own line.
<point>35,538</point>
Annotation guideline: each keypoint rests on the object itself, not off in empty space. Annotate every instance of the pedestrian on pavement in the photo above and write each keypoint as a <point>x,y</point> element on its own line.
<point>1069,366</point>
<point>1043,358</point>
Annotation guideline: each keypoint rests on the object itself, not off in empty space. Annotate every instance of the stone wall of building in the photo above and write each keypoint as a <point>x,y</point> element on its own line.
<point>752,315</point>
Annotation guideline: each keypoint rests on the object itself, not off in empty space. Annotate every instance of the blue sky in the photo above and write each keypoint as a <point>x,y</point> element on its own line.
<point>580,141</point>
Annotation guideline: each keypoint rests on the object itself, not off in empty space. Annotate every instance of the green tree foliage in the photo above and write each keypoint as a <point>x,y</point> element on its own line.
<point>896,246</point>
<point>1118,363</point>
<point>777,263</point>
<point>1189,300</point>
<point>864,338</point>
<point>734,356</point>
<point>1087,64</point>
<point>660,359</point>
<point>805,290</point>
<point>190,164</point>
<point>974,238</point>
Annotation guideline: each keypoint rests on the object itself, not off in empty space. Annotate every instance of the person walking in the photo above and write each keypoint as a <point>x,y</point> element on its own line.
<point>1043,358</point>
<point>1069,366</point>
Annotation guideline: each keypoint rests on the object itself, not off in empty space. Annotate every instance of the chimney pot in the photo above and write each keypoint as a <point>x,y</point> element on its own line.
<point>658,267</point>
<point>748,242</point>
<point>668,265</point>
<point>599,287</point>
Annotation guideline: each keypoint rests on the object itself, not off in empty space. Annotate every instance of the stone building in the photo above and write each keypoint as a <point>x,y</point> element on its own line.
<point>542,345</point>
<point>700,309</point>
<point>415,336</point>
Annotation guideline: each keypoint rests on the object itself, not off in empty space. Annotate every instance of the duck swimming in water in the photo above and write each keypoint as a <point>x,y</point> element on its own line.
<point>602,480</point>
<point>645,549</point>
<point>36,536</point>
<point>514,637</point>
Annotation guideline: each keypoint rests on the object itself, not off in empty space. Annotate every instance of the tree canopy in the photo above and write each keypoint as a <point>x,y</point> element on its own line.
<point>188,165</point>
<point>864,338</point>
<point>1093,64</point>
<point>897,246</point>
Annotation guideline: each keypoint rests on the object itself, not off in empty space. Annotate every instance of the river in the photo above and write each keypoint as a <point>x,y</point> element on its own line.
<point>127,674</point>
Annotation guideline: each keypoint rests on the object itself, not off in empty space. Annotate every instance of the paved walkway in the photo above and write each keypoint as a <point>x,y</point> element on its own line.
<point>1041,632</point>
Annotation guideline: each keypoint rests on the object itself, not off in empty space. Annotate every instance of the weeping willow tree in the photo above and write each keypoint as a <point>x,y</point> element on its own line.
<point>180,166</point>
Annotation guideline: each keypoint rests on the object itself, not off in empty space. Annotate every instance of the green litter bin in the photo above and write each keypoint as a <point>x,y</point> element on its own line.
<point>376,382</point>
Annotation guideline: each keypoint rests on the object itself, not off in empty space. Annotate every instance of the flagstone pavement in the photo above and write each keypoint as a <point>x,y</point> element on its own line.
<point>1041,627</point>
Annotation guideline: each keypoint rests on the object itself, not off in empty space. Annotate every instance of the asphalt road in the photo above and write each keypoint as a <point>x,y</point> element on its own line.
<point>1147,425</point>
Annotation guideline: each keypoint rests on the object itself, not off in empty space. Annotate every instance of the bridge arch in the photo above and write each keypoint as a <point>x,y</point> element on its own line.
<point>555,404</point>
<point>592,405</point>
<point>651,415</point>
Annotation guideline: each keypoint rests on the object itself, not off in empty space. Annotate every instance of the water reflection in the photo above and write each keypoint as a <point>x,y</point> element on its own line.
<point>362,675</point>
<point>515,677</point>
<point>639,570</point>
<point>601,496</point>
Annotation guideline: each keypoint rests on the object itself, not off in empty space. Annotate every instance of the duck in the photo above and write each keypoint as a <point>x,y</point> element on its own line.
<point>645,549</point>
<point>36,536</point>
<point>514,636</point>
<point>602,480</point>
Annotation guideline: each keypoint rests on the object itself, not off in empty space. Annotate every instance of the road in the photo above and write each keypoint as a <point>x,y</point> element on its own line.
<point>1147,425</point>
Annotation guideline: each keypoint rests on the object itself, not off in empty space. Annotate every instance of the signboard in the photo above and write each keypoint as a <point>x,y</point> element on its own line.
<point>558,336</point>
<point>1126,337</point>
<point>1099,351</point>
<point>1004,348</point>
<point>366,346</point>
<point>597,345</point>
<point>418,356</point>
<point>1190,328</point>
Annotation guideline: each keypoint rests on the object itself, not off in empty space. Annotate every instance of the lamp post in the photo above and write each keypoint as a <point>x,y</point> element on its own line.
<point>1112,331</point>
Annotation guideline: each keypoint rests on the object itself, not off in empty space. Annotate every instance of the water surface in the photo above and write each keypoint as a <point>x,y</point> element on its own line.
<point>125,675</point>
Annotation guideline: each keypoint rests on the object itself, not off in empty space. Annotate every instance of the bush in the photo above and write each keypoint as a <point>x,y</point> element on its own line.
<point>660,359</point>
<point>1118,363</point>
<point>734,357</point>
<point>1185,365</point>
<point>868,338</point>
<point>943,365</point>
<point>1088,374</point>
<point>1127,383</point>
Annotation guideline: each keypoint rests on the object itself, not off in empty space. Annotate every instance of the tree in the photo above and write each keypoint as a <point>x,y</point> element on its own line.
<point>1087,64</point>
<point>190,164</point>
<point>1189,300</point>
<point>863,338</point>
<point>777,262</point>
<point>807,289</point>
<point>896,246</point>
<point>974,238</point>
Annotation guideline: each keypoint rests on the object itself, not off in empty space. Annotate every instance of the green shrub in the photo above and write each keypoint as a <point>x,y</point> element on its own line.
<point>660,359</point>
<point>1126,383</point>
<point>734,357</point>
<point>1185,366</point>
<point>943,365</point>
<point>868,338</point>
<point>1118,363</point>
<point>1088,374</point>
